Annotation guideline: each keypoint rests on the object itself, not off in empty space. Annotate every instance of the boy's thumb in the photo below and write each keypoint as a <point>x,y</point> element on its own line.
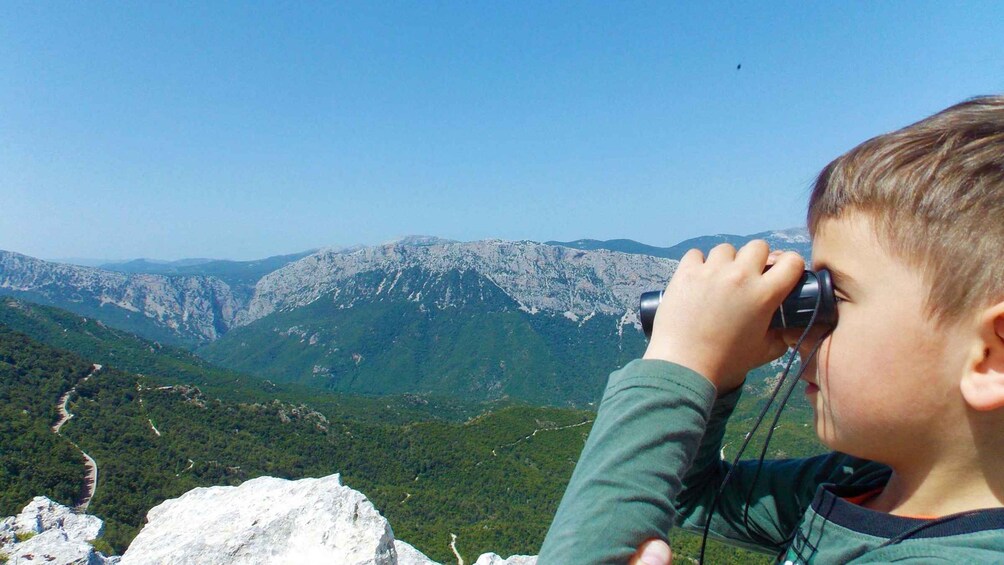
<point>653,552</point>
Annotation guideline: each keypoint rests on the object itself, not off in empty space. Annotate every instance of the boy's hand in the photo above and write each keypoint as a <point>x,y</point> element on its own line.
<point>715,315</point>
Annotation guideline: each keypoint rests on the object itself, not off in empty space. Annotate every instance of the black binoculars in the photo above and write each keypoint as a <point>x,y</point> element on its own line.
<point>814,288</point>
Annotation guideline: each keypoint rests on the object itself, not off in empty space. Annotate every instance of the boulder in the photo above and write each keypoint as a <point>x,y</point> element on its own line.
<point>408,555</point>
<point>57,536</point>
<point>263,521</point>
<point>42,514</point>
<point>269,521</point>
<point>266,520</point>
<point>54,547</point>
<point>492,559</point>
<point>7,532</point>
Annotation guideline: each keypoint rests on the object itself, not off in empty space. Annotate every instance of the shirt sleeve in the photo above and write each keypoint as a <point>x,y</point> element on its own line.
<point>763,503</point>
<point>652,461</point>
<point>778,492</point>
<point>647,431</point>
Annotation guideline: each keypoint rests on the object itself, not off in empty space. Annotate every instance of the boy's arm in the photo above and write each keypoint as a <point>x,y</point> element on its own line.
<point>714,320</point>
<point>783,490</point>
<point>777,501</point>
<point>649,425</point>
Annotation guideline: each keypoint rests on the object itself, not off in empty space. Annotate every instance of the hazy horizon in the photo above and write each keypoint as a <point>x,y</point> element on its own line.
<point>97,261</point>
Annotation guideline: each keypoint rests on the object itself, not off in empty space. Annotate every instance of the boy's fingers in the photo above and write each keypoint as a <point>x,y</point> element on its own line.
<point>778,345</point>
<point>692,256</point>
<point>772,258</point>
<point>722,253</point>
<point>652,552</point>
<point>783,276</point>
<point>754,254</point>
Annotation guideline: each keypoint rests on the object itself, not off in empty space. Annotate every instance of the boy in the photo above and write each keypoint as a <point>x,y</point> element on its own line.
<point>908,389</point>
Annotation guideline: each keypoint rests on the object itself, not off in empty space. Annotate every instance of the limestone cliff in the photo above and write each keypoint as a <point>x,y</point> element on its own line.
<point>199,308</point>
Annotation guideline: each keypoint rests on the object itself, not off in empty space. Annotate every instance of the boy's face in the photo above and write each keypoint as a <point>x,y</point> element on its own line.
<point>886,379</point>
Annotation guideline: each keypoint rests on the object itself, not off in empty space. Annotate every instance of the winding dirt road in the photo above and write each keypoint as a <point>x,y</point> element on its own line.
<point>91,480</point>
<point>537,431</point>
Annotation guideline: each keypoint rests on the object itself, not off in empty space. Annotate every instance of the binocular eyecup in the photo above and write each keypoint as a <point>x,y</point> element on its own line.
<point>796,311</point>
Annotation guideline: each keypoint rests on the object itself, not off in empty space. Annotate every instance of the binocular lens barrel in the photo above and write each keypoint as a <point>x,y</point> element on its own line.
<point>794,312</point>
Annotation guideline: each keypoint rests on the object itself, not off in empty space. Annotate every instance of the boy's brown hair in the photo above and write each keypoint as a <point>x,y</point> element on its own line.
<point>934,191</point>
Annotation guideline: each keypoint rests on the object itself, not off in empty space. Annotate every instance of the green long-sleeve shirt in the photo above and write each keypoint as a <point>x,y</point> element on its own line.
<point>652,462</point>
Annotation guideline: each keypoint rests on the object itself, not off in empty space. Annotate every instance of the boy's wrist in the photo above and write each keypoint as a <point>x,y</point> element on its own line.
<point>660,374</point>
<point>722,382</point>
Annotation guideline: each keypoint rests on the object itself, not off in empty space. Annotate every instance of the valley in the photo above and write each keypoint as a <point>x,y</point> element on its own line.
<point>457,398</point>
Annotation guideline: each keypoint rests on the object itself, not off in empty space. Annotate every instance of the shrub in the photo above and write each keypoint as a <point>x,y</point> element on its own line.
<point>102,546</point>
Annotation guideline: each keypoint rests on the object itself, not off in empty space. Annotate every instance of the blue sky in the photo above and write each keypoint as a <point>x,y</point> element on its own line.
<point>242,130</point>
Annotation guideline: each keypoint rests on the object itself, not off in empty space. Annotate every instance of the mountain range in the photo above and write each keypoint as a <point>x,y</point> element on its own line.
<point>542,322</point>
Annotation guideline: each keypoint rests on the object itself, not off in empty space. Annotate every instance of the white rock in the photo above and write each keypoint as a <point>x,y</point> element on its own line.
<point>42,514</point>
<point>493,559</point>
<point>266,520</point>
<point>408,555</point>
<point>7,533</point>
<point>54,547</point>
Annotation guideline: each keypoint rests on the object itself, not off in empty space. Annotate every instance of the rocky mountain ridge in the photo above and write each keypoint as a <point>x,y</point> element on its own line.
<point>191,307</point>
<point>538,277</point>
<point>794,239</point>
<point>198,304</point>
<point>197,309</point>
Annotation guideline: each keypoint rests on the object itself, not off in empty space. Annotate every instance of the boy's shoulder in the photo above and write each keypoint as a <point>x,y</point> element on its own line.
<point>961,550</point>
<point>836,530</point>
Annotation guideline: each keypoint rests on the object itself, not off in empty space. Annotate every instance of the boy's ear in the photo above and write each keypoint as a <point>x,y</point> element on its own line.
<point>983,384</point>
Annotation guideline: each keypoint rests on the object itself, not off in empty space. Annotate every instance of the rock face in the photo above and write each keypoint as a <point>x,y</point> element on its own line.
<point>536,276</point>
<point>52,534</point>
<point>492,559</point>
<point>190,308</point>
<point>265,521</point>
<point>42,514</point>
<point>274,521</point>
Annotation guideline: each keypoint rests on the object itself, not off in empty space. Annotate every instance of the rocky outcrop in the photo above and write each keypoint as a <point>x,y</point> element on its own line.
<point>305,521</point>
<point>265,521</point>
<point>275,521</point>
<point>492,559</point>
<point>48,532</point>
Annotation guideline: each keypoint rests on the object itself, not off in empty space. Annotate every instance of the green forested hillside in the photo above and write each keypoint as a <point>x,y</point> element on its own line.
<point>34,460</point>
<point>93,340</point>
<point>467,339</point>
<point>491,479</point>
